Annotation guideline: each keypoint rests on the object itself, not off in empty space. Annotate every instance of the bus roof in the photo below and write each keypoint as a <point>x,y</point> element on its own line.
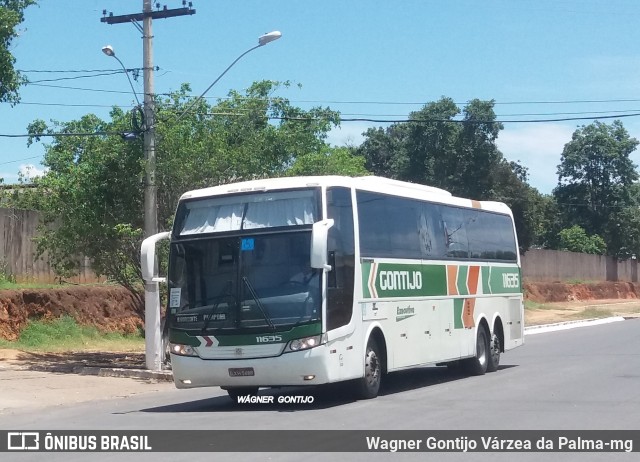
<point>369,183</point>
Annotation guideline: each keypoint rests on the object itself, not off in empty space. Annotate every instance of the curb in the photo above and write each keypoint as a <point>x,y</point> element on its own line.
<point>531,330</point>
<point>164,376</point>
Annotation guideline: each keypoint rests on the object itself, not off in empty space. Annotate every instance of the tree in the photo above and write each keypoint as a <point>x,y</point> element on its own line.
<point>11,15</point>
<point>91,196</point>
<point>460,156</point>
<point>329,161</point>
<point>595,182</point>
<point>510,185</point>
<point>575,239</point>
<point>383,149</point>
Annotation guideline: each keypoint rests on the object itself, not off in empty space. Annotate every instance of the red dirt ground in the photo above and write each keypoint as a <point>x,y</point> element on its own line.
<point>113,309</point>
<point>542,292</point>
<point>109,308</point>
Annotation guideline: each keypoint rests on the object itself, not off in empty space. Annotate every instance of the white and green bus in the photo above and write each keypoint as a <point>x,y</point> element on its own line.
<point>313,280</point>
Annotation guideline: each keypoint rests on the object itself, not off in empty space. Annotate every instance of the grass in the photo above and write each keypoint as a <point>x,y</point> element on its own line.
<point>593,313</point>
<point>10,285</point>
<point>65,334</point>
<point>530,305</point>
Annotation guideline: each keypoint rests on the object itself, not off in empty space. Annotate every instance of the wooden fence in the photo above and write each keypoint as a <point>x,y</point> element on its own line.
<point>18,250</point>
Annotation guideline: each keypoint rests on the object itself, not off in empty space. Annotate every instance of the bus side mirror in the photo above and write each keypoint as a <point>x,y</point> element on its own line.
<point>148,257</point>
<point>319,238</point>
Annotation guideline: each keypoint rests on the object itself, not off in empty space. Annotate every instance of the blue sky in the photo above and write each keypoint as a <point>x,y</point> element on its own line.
<point>370,59</point>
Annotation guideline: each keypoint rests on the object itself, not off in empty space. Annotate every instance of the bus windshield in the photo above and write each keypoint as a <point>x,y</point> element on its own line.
<point>259,281</point>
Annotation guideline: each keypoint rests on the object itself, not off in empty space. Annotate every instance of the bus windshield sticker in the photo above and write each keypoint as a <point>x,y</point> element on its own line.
<point>174,297</point>
<point>247,244</point>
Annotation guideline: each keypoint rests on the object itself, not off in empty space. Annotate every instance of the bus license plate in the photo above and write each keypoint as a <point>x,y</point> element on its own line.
<point>241,372</point>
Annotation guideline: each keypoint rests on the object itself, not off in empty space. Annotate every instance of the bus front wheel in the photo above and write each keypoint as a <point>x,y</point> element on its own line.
<point>369,385</point>
<point>235,392</point>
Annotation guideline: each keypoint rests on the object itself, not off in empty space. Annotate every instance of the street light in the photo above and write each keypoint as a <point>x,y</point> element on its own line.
<point>262,41</point>
<point>153,336</point>
<point>108,50</point>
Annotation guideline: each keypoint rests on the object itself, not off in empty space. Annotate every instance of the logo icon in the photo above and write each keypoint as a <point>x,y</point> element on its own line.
<point>23,441</point>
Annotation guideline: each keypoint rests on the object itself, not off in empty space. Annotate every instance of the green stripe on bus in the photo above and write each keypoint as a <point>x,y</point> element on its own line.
<point>484,275</point>
<point>458,304</point>
<point>404,280</point>
<point>191,337</point>
<point>503,280</point>
<point>463,271</point>
<point>366,272</point>
<point>397,280</point>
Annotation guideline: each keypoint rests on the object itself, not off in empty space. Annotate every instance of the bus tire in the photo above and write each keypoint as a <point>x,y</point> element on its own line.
<point>369,385</point>
<point>235,392</point>
<point>493,360</point>
<point>478,364</point>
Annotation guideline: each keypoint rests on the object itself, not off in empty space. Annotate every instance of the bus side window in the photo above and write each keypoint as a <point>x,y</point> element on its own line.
<point>431,232</point>
<point>342,255</point>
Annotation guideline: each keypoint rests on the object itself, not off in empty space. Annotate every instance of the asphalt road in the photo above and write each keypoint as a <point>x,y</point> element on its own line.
<point>579,379</point>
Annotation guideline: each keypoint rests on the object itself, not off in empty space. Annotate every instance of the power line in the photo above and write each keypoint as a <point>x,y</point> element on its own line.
<point>77,77</point>
<point>49,135</point>
<point>313,119</point>
<point>79,88</point>
<point>398,103</point>
<point>591,114</point>
<point>19,160</point>
<point>70,71</point>
<point>71,105</point>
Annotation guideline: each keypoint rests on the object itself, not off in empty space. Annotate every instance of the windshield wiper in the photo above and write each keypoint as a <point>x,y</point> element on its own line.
<point>226,290</point>
<point>259,303</point>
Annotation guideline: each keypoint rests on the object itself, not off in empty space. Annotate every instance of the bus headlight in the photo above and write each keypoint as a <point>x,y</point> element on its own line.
<point>303,343</point>
<point>182,350</point>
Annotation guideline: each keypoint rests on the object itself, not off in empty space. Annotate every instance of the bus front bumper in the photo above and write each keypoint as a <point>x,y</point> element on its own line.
<point>309,367</point>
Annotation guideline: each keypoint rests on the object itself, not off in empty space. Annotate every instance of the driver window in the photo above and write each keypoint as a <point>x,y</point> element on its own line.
<point>342,257</point>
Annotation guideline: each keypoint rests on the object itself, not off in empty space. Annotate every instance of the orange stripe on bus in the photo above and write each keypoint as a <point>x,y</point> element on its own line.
<point>472,279</point>
<point>467,313</point>
<point>452,279</point>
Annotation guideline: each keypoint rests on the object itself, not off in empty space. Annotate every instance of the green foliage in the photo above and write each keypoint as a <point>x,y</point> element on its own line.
<point>460,156</point>
<point>11,15</point>
<point>596,186</point>
<point>329,161</point>
<point>6,278</point>
<point>575,239</point>
<point>64,334</point>
<point>92,195</point>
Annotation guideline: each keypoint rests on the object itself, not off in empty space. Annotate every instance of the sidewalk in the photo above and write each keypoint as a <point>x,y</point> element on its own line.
<point>32,383</point>
<point>98,363</point>
<point>132,365</point>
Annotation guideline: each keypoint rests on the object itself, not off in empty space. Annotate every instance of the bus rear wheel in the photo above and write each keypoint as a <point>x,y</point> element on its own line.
<point>478,364</point>
<point>494,354</point>
<point>369,385</point>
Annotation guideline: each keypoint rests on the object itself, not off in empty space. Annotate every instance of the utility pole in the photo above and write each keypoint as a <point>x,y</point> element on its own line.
<point>147,15</point>
<point>153,337</point>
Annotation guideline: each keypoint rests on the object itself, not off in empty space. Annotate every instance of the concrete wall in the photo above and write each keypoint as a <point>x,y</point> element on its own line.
<point>18,251</point>
<point>555,265</point>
